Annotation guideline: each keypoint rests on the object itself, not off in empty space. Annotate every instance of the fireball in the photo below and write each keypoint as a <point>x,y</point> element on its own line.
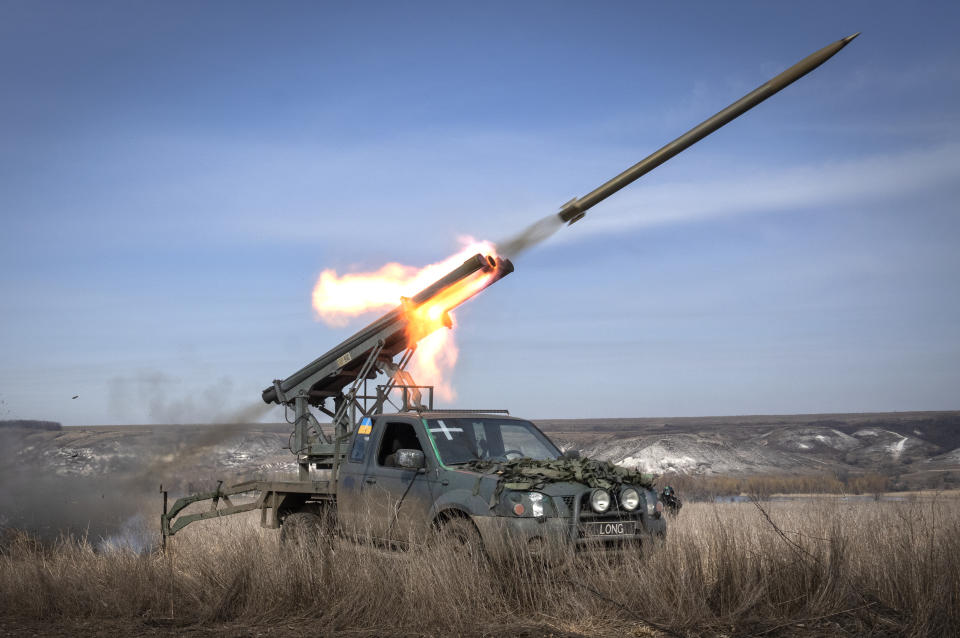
<point>339,298</point>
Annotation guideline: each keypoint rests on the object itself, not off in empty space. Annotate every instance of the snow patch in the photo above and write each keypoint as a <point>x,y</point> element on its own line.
<point>649,462</point>
<point>897,448</point>
<point>953,455</point>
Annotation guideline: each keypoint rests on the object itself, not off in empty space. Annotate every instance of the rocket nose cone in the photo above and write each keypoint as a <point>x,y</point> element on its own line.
<point>849,38</point>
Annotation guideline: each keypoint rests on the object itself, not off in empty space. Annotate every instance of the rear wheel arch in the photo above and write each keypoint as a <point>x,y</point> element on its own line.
<point>301,528</point>
<point>307,519</point>
<point>289,504</point>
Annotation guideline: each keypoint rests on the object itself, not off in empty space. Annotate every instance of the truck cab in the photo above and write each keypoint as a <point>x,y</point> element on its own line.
<point>408,474</point>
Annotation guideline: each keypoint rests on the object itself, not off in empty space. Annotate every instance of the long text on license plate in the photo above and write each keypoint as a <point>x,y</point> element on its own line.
<point>612,528</point>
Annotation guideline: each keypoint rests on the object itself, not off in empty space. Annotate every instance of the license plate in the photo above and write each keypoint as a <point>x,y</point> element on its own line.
<point>611,528</point>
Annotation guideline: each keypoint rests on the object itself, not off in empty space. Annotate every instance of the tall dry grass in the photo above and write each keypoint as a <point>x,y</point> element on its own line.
<point>868,568</point>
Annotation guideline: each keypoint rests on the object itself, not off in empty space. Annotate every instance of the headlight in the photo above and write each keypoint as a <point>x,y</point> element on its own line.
<point>600,501</point>
<point>536,503</point>
<point>629,499</point>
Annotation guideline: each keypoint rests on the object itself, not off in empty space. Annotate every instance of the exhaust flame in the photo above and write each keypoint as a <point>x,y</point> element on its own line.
<point>339,298</point>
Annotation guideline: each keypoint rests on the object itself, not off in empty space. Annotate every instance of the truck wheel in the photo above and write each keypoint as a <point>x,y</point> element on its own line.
<point>303,529</point>
<point>461,535</point>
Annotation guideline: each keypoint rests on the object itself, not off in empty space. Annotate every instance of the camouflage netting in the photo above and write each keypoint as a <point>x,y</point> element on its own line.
<point>530,474</point>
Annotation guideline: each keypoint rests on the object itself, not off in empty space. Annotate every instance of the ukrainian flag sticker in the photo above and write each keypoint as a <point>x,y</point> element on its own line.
<point>366,425</point>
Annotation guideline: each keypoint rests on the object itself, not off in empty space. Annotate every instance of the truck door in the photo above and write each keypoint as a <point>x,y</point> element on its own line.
<point>397,500</point>
<point>350,483</point>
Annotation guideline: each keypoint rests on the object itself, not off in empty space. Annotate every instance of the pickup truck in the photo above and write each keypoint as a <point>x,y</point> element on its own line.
<point>478,479</point>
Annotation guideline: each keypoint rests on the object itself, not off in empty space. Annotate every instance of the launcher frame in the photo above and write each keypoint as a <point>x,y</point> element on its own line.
<point>384,347</point>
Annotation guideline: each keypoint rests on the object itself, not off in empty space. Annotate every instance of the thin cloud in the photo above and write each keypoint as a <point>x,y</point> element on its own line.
<point>859,181</point>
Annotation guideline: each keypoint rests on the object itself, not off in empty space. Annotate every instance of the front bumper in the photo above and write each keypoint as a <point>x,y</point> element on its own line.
<point>503,535</point>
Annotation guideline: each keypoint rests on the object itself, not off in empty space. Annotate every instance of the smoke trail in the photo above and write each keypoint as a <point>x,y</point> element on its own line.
<point>529,236</point>
<point>251,413</point>
<point>135,534</point>
<point>170,399</point>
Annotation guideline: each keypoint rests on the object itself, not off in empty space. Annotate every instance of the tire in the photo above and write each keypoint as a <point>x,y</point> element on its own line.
<point>461,536</point>
<point>304,529</point>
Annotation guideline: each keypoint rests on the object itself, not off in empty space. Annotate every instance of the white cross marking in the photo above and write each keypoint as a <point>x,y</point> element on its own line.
<point>443,428</point>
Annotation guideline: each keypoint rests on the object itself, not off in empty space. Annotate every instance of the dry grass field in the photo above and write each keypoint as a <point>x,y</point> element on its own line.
<point>804,568</point>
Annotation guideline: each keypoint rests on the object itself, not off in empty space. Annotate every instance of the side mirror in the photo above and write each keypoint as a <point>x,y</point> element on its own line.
<point>571,454</point>
<point>410,459</point>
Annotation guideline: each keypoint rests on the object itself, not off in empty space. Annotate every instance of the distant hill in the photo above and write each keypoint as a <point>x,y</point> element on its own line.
<point>93,478</point>
<point>31,425</point>
<point>914,449</point>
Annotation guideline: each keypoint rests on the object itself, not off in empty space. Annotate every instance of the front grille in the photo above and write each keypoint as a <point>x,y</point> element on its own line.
<point>587,513</point>
<point>585,516</point>
<point>614,513</point>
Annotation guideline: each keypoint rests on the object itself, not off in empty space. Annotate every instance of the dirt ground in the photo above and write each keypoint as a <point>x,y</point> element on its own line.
<point>99,628</point>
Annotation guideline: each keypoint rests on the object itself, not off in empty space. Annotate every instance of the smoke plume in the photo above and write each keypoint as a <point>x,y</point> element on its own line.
<point>529,236</point>
<point>103,483</point>
<point>170,399</point>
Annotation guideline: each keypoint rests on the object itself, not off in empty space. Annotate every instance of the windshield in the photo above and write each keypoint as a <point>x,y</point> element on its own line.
<point>462,440</point>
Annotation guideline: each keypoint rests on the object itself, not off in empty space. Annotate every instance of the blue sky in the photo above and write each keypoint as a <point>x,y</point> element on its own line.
<point>174,176</point>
